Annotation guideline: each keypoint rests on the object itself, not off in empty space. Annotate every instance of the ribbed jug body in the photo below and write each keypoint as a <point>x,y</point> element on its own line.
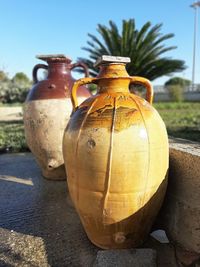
<point>116,155</point>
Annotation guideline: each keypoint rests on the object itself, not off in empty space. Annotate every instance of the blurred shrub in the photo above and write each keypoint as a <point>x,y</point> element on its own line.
<point>15,89</point>
<point>175,92</point>
<point>176,87</point>
<point>178,81</point>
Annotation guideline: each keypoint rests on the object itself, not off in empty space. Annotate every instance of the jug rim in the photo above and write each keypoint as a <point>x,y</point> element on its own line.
<point>54,57</point>
<point>107,60</point>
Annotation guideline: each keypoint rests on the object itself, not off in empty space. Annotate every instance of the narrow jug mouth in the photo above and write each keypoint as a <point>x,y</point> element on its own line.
<point>107,60</point>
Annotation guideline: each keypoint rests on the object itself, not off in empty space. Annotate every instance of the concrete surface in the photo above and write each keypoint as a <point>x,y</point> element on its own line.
<point>181,209</point>
<point>38,224</point>
<point>10,113</point>
<point>126,257</point>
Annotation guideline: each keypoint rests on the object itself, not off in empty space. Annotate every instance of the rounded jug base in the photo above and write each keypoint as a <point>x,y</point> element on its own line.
<point>57,174</point>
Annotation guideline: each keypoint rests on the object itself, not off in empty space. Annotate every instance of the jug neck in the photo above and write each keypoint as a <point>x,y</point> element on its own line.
<point>113,78</point>
<point>61,69</point>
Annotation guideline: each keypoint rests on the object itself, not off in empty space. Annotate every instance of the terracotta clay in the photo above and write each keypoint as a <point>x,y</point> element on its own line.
<point>116,156</point>
<point>47,110</point>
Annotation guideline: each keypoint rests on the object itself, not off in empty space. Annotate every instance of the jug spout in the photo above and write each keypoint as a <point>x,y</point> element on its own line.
<point>52,164</point>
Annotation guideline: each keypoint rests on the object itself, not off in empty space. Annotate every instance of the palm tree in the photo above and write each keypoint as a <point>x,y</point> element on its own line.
<point>145,48</point>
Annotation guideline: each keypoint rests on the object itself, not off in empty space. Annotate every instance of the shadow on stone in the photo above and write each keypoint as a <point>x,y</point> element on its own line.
<point>41,209</point>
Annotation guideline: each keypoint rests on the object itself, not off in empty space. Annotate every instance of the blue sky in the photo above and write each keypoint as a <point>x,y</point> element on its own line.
<point>31,27</point>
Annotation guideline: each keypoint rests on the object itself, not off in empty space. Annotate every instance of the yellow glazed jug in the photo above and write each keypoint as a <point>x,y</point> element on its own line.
<point>115,151</point>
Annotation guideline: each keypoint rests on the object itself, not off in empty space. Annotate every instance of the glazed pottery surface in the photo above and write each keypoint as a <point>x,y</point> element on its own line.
<point>47,110</point>
<point>116,155</point>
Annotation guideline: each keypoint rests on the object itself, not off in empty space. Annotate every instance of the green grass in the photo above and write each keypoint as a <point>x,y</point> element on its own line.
<point>12,137</point>
<point>182,119</point>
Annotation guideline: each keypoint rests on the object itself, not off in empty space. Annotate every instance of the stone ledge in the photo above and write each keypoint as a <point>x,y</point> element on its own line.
<point>186,146</point>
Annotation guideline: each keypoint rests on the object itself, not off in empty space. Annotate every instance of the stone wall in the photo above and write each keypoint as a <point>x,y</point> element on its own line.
<point>180,215</point>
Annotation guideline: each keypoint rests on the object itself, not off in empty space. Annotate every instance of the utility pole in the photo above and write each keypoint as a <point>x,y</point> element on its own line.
<point>195,5</point>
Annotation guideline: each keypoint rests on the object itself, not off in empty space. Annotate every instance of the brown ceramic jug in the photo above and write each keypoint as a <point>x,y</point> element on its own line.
<point>116,155</point>
<point>47,110</point>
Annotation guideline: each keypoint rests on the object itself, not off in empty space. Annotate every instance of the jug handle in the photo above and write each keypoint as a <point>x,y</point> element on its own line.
<point>35,70</point>
<point>81,65</point>
<point>145,82</point>
<point>76,86</point>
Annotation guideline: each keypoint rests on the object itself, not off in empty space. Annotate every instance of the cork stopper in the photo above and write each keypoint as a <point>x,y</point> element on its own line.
<point>105,59</point>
